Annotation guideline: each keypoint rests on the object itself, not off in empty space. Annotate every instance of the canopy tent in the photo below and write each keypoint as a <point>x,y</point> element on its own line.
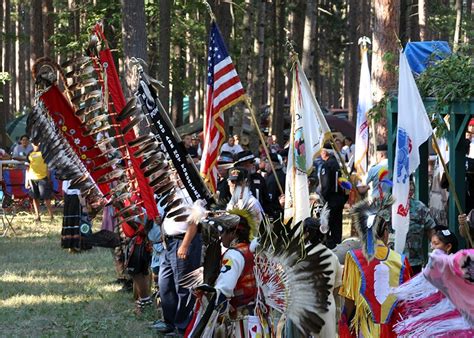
<point>421,54</point>
<point>16,128</point>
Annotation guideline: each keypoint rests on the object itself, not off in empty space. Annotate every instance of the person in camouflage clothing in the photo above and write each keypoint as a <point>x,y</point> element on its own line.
<point>421,225</point>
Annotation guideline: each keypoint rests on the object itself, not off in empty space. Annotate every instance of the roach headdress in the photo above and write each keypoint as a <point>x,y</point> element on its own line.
<point>369,218</point>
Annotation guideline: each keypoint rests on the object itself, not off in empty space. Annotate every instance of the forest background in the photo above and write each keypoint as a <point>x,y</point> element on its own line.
<point>172,36</point>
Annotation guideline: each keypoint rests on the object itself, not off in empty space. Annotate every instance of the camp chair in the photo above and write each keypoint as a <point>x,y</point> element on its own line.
<point>5,218</point>
<point>16,196</point>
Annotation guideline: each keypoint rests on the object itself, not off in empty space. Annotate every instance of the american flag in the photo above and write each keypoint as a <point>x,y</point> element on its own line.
<point>224,89</point>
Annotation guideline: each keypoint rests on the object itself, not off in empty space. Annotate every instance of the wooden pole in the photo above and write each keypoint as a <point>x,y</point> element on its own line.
<point>248,103</point>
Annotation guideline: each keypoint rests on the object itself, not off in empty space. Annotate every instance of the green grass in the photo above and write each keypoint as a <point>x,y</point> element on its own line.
<point>45,291</point>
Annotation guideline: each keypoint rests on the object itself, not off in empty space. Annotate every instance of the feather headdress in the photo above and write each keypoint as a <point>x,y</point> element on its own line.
<point>293,278</point>
<point>368,219</point>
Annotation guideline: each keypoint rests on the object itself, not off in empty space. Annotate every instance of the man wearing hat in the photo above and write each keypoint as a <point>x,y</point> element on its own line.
<point>274,207</point>
<point>242,197</point>
<point>224,162</point>
<point>246,160</point>
<point>332,193</point>
<point>373,174</point>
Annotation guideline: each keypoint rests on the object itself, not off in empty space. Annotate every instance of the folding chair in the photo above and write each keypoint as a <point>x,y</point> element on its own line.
<point>16,197</point>
<point>5,219</point>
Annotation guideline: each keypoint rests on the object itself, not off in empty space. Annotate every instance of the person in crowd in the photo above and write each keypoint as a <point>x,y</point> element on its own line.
<point>224,162</point>
<point>242,197</point>
<point>235,287</point>
<point>237,139</point>
<point>378,188</point>
<point>421,225</point>
<point>348,152</point>
<point>469,179</point>
<point>181,255</point>
<point>4,155</point>
<point>443,239</point>
<point>274,210</point>
<point>438,302</point>
<point>246,160</point>
<point>348,149</point>
<point>188,144</point>
<point>154,236</point>
<point>37,180</point>
<point>315,231</point>
<point>338,144</point>
<point>22,149</point>
<point>138,258</point>
<point>231,147</point>
<point>196,143</point>
<point>273,146</point>
<point>466,228</point>
<point>370,274</point>
<point>75,220</point>
<point>333,194</point>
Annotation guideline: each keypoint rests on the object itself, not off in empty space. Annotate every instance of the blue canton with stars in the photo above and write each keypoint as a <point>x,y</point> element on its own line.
<point>216,52</point>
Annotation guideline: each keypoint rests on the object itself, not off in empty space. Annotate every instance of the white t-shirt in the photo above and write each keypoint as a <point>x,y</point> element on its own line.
<point>235,149</point>
<point>231,270</point>
<point>171,227</point>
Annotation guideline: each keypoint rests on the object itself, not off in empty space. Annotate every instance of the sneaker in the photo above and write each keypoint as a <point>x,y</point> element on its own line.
<point>162,327</point>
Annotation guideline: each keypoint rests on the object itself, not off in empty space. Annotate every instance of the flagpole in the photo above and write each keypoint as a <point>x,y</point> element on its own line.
<point>248,103</point>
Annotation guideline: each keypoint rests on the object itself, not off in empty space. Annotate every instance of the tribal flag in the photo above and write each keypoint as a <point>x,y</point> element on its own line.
<point>413,129</point>
<point>224,89</point>
<point>363,106</point>
<point>309,131</point>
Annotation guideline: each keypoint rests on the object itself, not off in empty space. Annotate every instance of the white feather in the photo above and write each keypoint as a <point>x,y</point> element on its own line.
<point>197,212</point>
<point>381,282</point>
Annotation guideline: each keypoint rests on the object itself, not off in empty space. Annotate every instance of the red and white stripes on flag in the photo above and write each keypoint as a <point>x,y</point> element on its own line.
<point>224,89</point>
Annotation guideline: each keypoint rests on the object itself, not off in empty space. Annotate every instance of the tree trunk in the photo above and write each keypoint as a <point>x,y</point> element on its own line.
<point>467,36</point>
<point>422,15</point>
<point>297,28</point>
<point>352,70</point>
<point>164,51</point>
<point>244,64</point>
<point>384,53</point>
<point>22,87</point>
<point>48,26</point>
<point>309,38</point>
<point>279,75</point>
<point>134,38</point>
<point>5,102</point>
<point>13,63</point>
<point>457,28</point>
<point>177,94</point>
<point>27,52</point>
<point>385,44</point>
<point>259,52</point>
<point>37,46</point>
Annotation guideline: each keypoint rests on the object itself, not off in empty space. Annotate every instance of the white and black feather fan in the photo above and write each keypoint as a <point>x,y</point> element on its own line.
<point>293,279</point>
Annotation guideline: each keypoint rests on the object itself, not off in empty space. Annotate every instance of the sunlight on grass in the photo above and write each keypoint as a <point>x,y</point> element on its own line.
<point>45,291</point>
<point>21,300</point>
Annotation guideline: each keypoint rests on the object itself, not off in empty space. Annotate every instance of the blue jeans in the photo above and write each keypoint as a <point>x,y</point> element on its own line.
<point>172,269</point>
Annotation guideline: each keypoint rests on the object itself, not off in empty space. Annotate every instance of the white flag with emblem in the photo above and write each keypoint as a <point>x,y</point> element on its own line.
<point>363,106</point>
<point>413,129</point>
<point>309,130</point>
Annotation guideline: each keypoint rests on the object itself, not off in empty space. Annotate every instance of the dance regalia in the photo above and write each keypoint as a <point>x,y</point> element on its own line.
<point>368,284</point>
<point>236,287</point>
<point>438,302</point>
